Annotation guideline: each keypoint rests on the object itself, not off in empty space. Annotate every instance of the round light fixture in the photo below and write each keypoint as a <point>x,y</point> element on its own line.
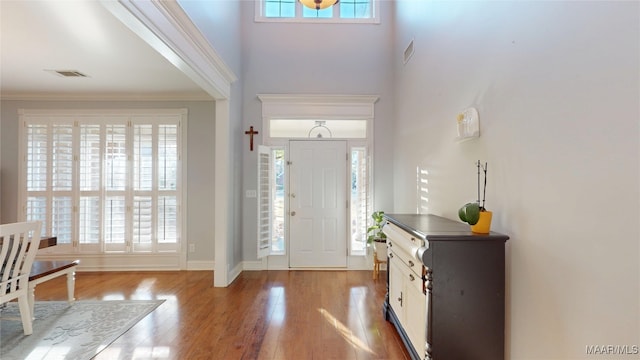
<point>318,4</point>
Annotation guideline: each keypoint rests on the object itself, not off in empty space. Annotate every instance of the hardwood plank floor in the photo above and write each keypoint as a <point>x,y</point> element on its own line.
<point>261,315</point>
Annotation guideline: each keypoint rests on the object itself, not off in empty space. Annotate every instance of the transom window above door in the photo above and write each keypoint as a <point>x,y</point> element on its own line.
<point>308,128</point>
<point>344,11</point>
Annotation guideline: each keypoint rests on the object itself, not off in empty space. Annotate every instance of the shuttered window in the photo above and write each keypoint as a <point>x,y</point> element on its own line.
<point>104,182</point>
<point>360,201</point>
<point>265,198</point>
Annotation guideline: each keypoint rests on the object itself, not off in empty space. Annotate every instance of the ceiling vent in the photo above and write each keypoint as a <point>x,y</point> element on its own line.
<point>67,73</point>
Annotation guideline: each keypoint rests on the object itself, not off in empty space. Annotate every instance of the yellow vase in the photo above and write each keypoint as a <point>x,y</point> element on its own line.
<point>483,226</point>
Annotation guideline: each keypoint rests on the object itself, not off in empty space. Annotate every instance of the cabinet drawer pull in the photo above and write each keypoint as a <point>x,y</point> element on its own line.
<point>411,263</point>
<point>412,277</point>
<point>390,255</point>
<point>390,244</point>
<point>413,239</point>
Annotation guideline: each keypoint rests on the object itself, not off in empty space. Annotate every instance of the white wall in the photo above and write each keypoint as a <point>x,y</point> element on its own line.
<point>220,23</point>
<point>557,88</point>
<point>295,58</point>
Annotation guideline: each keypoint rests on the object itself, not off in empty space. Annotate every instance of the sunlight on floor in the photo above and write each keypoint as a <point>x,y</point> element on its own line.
<point>156,352</point>
<point>144,290</point>
<point>110,353</point>
<point>141,352</point>
<point>277,300</point>
<point>358,294</point>
<point>58,352</point>
<point>345,332</point>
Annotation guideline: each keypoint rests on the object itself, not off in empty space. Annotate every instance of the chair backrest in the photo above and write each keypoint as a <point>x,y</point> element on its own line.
<point>18,246</point>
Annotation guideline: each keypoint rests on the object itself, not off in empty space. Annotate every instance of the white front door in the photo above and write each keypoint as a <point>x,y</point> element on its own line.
<point>318,203</point>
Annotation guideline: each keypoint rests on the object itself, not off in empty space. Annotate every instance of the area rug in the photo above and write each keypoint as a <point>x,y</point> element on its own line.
<point>63,331</point>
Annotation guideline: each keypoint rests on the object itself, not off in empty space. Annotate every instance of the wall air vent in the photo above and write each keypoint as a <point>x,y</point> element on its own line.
<point>408,52</point>
<point>67,73</point>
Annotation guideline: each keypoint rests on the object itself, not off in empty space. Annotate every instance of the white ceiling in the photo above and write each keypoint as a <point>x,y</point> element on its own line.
<point>41,35</point>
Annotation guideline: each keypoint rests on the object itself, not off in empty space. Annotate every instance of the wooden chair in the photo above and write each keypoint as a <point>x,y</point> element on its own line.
<point>19,244</point>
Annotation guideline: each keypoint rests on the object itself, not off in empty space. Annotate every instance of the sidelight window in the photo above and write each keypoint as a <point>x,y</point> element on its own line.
<point>360,203</point>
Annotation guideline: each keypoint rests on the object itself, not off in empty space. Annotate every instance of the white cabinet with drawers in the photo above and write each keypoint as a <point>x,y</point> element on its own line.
<point>446,288</point>
<point>407,290</point>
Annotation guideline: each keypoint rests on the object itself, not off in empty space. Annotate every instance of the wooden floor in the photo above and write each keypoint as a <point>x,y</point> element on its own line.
<point>261,315</point>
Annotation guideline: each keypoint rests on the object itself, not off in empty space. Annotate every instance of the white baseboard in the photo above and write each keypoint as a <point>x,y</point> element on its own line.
<point>200,265</point>
<point>120,262</point>
<point>235,272</point>
<point>253,265</point>
<point>355,263</point>
<point>171,263</point>
<point>158,262</point>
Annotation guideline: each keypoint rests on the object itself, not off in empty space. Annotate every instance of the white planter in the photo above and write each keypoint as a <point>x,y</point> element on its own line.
<point>380,250</point>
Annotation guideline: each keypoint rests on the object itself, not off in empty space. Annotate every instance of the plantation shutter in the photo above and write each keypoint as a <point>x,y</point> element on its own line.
<point>265,171</point>
<point>103,182</point>
<point>49,184</point>
<point>360,199</point>
<point>62,182</point>
<point>143,214</point>
<point>90,168</point>
<point>115,190</point>
<point>167,169</point>
<point>155,184</point>
<point>37,159</point>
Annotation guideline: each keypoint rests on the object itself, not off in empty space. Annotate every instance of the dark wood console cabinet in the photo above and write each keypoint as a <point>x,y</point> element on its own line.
<point>446,292</point>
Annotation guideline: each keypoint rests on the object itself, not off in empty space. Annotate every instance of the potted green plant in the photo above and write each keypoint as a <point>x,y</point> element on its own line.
<point>377,237</point>
<point>475,213</point>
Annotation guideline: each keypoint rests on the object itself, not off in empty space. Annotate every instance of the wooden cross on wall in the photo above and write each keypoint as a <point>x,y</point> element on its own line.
<point>251,132</point>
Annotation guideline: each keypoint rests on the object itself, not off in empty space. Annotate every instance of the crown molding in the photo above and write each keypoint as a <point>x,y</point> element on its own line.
<point>318,99</point>
<point>17,96</point>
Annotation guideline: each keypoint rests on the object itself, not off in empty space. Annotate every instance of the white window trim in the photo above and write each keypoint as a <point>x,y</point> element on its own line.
<point>260,17</point>
<point>94,261</point>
